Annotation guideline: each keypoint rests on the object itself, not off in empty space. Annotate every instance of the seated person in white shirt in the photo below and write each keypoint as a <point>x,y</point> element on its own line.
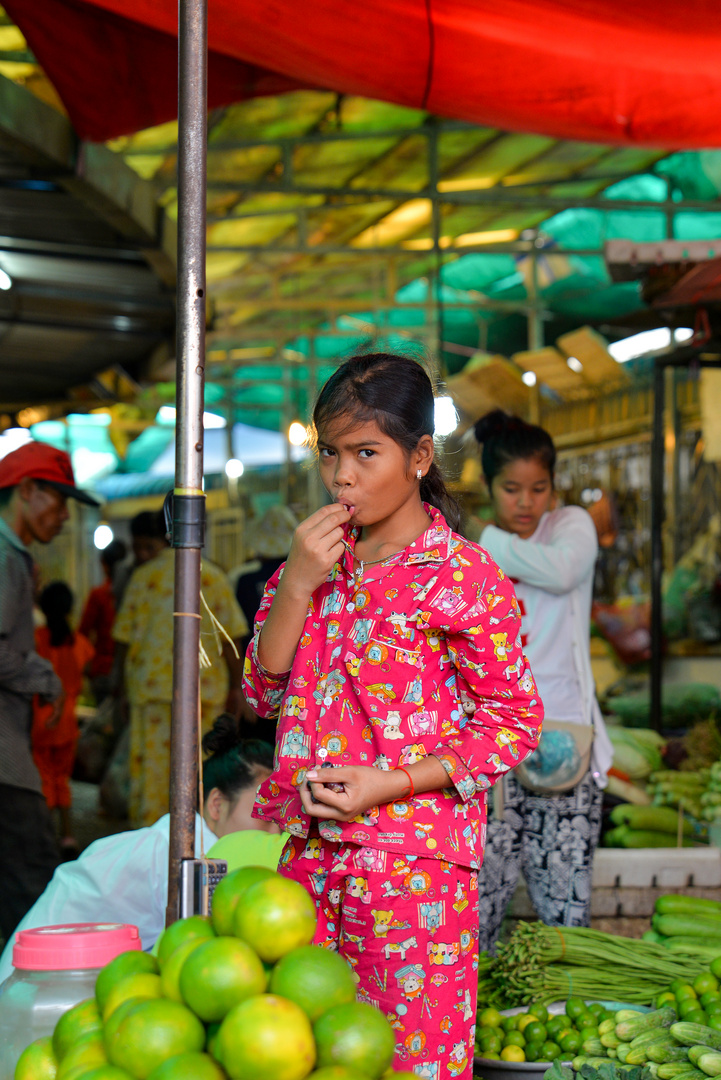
<point>550,555</point>
<point>124,878</point>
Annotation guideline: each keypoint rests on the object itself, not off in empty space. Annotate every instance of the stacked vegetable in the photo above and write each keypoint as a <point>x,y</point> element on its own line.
<point>711,798</point>
<point>649,827</point>
<point>543,964</point>
<point>687,924</point>
<point>636,754</point>
<point>683,790</point>
<point>537,1036</point>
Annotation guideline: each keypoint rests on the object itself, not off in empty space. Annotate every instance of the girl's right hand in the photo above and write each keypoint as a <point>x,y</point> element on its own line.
<point>317,546</point>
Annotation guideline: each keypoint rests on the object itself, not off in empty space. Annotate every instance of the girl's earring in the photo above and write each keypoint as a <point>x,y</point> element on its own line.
<point>419,474</point>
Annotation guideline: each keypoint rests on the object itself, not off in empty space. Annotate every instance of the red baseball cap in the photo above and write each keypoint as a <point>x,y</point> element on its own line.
<point>39,461</point>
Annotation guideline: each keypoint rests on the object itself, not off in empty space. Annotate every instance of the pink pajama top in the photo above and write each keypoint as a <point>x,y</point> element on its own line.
<point>421,656</point>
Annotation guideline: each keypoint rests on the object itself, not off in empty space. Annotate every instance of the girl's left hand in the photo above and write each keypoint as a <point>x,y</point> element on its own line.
<point>361,787</point>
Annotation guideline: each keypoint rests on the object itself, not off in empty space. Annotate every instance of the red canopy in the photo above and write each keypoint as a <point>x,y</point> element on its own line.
<point>618,71</point>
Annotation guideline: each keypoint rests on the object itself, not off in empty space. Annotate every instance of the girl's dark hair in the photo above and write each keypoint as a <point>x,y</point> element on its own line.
<point>395,392</point>
<point>507,438</point>
<point>232,762</point>
<point>56,603</point>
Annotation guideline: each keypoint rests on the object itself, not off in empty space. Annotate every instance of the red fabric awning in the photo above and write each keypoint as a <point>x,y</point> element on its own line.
<point>616,71</point>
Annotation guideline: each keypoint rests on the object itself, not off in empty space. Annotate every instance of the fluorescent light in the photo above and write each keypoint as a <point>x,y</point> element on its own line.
<point>297,433</point>
<point>574,363</point>
<point>445,416</point>
<point>6,282</point>
<point>12,438</point>
<point>529,378</point>
<point>649,341</point>
<point>103,536</point>
<point>234,468</point>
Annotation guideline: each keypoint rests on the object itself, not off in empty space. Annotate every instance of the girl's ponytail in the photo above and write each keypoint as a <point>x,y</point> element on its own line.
<point>435,492</point>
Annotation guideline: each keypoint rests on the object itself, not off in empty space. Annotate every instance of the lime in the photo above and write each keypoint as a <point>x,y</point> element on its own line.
<point>705,982</point>
<point>229,891</point>
<point>509,1023</point>
<point>191,1066</point>
<point>514,1038</point>
<point>570,1042</point>
<point>170,975</point>
<point>492,1055</point>
<point>536,1032</point>
<point>588,1033</point>
<point>596,1008</point>
<point>490,1018</point>
<point>218,975</point>
<point>314,978</point>
<point>88,1051</point>
<point>666,998</point>
<point>686,1006</point>
<point>106,1072</point>
<point>266,1038</point>
<point>696,1016</point>
<point>556,1025</point>
<point>492,1042</point>
<point>195,926</point>
<point>525,1020</point>
<point>512,1053</point>
<point>211,1039</point>
<point>708,998</point>
<point>127,963</point>
<point>138,985</point>
<point>339,1072</point>
<point>575,1007</point>
<point>550,1051</point>
<point>539,1011</point>
<point>532,1051</point>
<point>714,1021</point>
<point>112,1026</point>
<point>152,1032</point>
<point>713,1007</point>
<point>80,1020</point>
<point>715,966</point>
<point>685,990</point>
<point>37,1061</point>
<point>275,916</point>
<point>356,1035</point>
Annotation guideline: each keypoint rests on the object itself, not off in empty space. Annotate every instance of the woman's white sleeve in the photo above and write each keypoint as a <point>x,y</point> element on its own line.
<point>557,566</point>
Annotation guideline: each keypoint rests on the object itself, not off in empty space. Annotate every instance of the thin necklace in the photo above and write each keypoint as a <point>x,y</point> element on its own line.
<point>358,573</point>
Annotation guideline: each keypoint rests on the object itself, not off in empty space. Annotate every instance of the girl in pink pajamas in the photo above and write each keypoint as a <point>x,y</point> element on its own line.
<point>389,648</point>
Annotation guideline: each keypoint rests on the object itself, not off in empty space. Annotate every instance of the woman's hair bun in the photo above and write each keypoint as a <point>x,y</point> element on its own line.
<point>492,424</point>
<point>223,735</point>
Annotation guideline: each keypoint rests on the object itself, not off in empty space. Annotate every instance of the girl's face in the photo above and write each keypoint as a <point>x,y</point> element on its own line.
<point>367,470</point>
<point>521,493</point>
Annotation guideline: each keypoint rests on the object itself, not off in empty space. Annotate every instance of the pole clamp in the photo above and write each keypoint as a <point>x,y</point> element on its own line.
<point>185,520</point>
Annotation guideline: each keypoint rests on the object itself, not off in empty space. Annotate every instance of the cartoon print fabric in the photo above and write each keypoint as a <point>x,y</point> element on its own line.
<point>408,927</point>
<point>422,656</point>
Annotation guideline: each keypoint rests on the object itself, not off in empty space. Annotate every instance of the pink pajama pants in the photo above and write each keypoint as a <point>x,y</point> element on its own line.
<point>408,926</point>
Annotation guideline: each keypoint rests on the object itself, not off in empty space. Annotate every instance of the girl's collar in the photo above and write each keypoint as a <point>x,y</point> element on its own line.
<point>433,545</point>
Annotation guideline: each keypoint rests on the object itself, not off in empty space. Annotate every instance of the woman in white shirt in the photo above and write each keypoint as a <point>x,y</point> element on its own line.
<point>549,554</point>
<point>124,878</point>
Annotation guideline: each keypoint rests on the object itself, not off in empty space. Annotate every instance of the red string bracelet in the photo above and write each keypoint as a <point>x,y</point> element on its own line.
<point>411,793</point>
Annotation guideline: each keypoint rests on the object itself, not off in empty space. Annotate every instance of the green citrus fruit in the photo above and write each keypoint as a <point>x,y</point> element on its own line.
<point>524,1020</point>
<point>715,966</point>
<point>696,1016</point>
<point>107,1072</point>
<point>151,1033</point>
<point>112,1026</point>
<point>37,1061</point>
<point>218,975</point>
<point>127,963</point>
<point>229,891</point>
<point>193,1066</point>
<point>490,1018</point>
<point>88,1051</point>
<point>355,1035</point>
<point>512,1053</point>
<point>266,1038</point>
<point>705,983</point>
<point>138,985</point>
<point>275,916</point>
<point>514,1038</point>
<point>340,1072</point>
<point>570,1042</point>
<point>510,1023</point>
<point>314,978</point>
<point>80,1020</point>
<point>183,930</point>
<point>211,1039</point>
<point>550,1051</point>
<point>170,975</point>
<point>535,1032</point>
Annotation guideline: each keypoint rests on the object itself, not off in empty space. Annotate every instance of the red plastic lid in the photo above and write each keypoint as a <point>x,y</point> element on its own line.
<point>74,946</point>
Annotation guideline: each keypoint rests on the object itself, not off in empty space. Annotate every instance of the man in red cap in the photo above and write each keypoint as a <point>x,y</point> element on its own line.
<point>35,482</point>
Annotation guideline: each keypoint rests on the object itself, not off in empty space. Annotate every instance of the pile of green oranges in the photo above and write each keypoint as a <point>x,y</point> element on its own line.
<point>536,1035</point>
<point>698,1002</point>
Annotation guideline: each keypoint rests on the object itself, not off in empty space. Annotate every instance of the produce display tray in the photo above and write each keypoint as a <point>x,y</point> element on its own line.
<point>489,1069</point>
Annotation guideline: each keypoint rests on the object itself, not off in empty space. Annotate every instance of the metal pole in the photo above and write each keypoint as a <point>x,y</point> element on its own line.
<point>189,501</point>
<point>657,500</point>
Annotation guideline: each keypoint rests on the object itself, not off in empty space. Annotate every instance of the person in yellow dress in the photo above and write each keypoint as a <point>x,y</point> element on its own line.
<point>144,632</point>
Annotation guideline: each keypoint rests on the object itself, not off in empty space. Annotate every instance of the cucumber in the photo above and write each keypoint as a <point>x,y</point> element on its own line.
<point>608,1025</point>
<point>610,1040</point>
<point>637,1055</point>
<point>656,818</point>
<point>710,1063</point>
<point>673,904</point>
<point>698,926</point>
<point>663,1052</point>
<point>653,1035</point>
<point>622,1052</point>
<point>679,1070</point>
<point>695,1052</point>
<point>594,1047</point>
<point>696,1035</point>
<point>627,1030</point>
